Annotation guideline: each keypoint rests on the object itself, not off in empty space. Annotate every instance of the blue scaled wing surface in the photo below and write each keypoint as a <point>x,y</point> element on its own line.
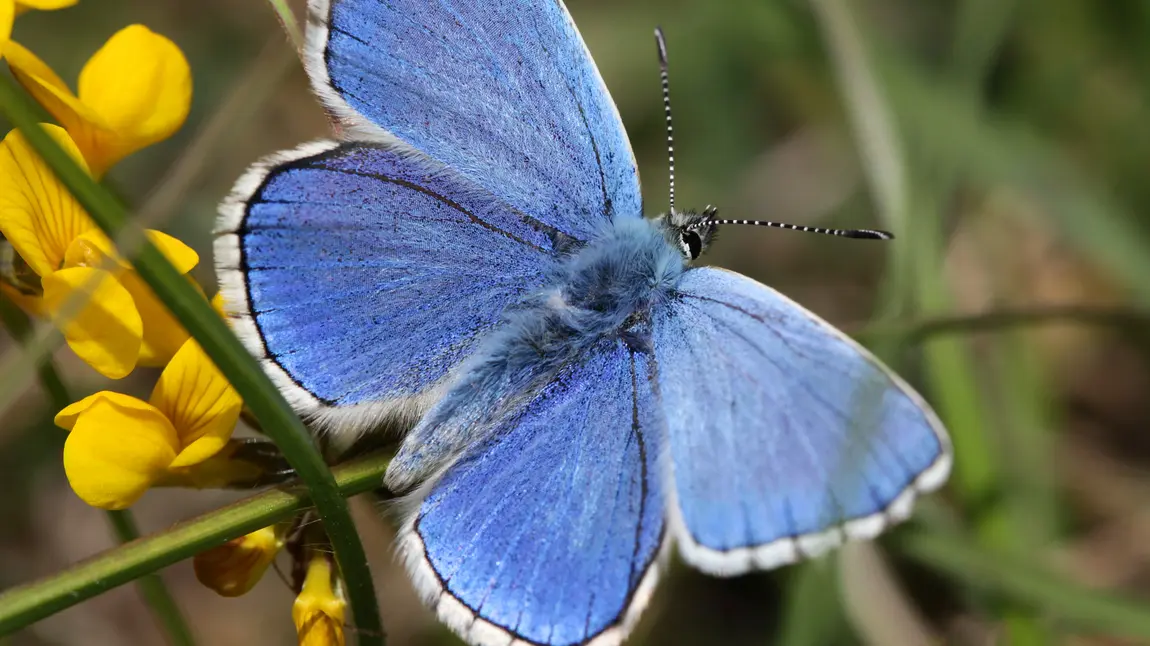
<point>785,437</point>
<point>362,273</point>
<point>503,91</point>
<point>547,530</point>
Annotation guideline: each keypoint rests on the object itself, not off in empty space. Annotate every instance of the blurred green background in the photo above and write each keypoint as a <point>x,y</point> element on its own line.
<point>1016,171</point>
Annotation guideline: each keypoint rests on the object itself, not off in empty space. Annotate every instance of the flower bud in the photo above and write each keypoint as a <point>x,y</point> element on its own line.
<point>319,609</point>
<point>236,566</point>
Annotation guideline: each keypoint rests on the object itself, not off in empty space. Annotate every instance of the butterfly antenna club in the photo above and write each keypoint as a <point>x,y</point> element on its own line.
<point>661,42</point>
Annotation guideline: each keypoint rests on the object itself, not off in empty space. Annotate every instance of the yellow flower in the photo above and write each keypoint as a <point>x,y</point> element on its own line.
<point>119,445</point>
<point>236,566</point>
<point>7,13</point>
<point>117,320</point>
<point>319,609</point>
<point>42,5</point>
<point>135,91</point>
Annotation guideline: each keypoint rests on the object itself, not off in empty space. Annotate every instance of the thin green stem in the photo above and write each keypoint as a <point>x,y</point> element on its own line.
<point>1126,318</point>
<point>872,123</point>
<point>980,33</point>
<point>34,601</point>
<point>290,24</point>
<point>156,595</point>
<point>261,396</point>
<point>1026,513</point>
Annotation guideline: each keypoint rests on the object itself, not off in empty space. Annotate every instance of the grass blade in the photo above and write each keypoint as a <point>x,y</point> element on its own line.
<point>290,24</point>
<point>1016,576</point>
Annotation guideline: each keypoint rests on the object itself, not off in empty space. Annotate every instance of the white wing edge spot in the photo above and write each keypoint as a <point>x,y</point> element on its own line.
<point>476,630</point>
<point>791,549</point>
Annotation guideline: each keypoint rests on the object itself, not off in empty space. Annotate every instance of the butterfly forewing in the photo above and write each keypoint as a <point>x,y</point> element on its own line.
<point>503,91</point>
<point>345,267</point>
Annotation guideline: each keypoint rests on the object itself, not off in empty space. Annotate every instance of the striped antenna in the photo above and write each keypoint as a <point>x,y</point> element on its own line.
<point>662,43</point>
<point>863,234</point>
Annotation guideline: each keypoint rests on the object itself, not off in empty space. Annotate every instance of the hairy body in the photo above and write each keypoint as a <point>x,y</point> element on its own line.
<point>602,290</point>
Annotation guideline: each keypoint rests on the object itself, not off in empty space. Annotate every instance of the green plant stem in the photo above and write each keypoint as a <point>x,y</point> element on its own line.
<point>34,601</point>
<point>1125,318</point>
<point>980,32</point>
<point>290,24</point>
<point>812,613</point>
<point>261,396</point>
<point>1016,576</point>
<point>872,124</point>
<point>1026,512</point>
<point>156,595</point>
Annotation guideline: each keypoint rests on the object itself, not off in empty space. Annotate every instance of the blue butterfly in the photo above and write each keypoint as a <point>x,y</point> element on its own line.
<point>472,261</point>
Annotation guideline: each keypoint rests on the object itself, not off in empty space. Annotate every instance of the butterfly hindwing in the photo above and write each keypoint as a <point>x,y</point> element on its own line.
<point>548,529</point>
<point>504,91</point>
<point>363,273</point>
<point>785,436</point>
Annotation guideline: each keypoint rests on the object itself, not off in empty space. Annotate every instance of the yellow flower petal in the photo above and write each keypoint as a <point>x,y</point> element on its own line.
<point>202,405</point>
<point>94,249</point>
<point>7,13</point>
<point>318,612</point>
<point>106,331</point>
<point>236,566</point>
<point>163,334</point>
<point>182,257</point>
<point>140,85</point>
<point>66,418</point>
<point>37,214</point>
<point>136,90</point>
<point>24,62</point>
<point>43,5</point>
<point>116,449</point>
<point>87,128</point>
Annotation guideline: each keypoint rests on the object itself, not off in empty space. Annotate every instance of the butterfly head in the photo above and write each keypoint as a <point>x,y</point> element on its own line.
<point>689,231</point>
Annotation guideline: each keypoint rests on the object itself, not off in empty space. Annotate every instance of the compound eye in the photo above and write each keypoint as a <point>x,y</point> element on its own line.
<point>692,243</point>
